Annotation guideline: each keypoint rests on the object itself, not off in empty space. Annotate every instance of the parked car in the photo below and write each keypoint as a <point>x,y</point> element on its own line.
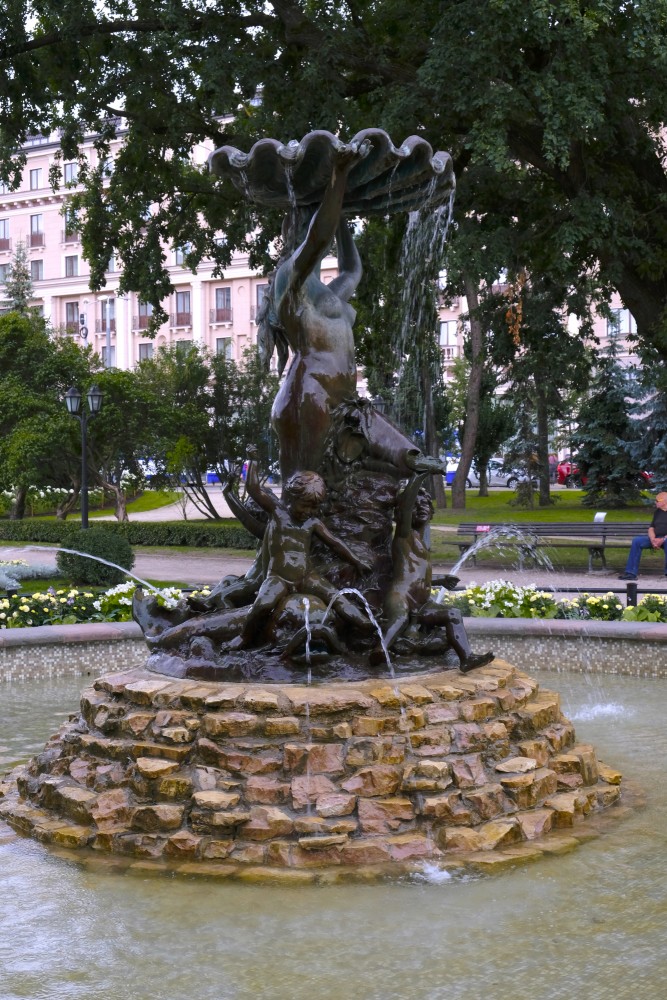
<point>568,474</point>
<point>497,475</point>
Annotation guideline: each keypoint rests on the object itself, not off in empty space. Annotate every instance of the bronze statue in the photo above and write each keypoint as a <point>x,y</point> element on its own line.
<point>409,600</point>
<point>329,560</point>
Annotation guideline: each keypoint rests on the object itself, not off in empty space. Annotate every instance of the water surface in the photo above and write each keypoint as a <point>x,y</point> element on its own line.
<point>590,924</point>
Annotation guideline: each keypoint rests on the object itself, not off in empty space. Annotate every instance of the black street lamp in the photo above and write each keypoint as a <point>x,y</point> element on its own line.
<point>73,401</point>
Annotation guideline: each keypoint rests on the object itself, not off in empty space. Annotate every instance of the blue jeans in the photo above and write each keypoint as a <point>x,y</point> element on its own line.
<point>637,546</point>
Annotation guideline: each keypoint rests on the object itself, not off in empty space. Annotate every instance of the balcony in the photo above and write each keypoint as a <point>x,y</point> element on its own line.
<point>181,319</point>
<point>72,327</point>
<point>449,353</point>
<point>101,325</point>
<point>36,239</point>
<point>5,243</point>
<point>141,322</point>
<point>70,236</point>
<point>220,315</point>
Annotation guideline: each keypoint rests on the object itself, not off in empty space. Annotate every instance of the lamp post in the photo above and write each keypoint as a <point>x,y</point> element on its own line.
<point>83,414</point>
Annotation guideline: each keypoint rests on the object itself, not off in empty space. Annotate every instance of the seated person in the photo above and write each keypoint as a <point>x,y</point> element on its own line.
<point>653,539</point>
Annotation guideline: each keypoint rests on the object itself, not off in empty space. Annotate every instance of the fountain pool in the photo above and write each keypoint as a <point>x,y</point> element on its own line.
<point>589,923</point>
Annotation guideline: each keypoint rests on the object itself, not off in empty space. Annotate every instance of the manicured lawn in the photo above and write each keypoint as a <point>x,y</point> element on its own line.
<point>149,500</point>
<point>496,509</point>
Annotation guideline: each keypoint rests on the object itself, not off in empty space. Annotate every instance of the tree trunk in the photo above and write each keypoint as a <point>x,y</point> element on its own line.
<point>18,509</point>
<point>120,499</point>
<point>69,504</point>
<point>121,506</point>
<point>542,414</point>
<point>483,484</point>
<point>431,437</point>
<point>472,396</point>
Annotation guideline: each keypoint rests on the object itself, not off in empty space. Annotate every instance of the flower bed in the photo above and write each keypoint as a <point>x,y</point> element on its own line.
<point>69,607</point>
<point>502,599</point>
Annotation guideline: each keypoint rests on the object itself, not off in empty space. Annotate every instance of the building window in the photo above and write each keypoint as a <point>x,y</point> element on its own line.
<point>36,230</point>
<point>36,179</point>
<point>72,317</point>
<point>71,173</point>
<point>37,270</point>
<point>183,346</point>
<point>4,270</point>
<point>260,293</point>
<point>180,254</point>
<point>183,317</point>
<point>107,305</point>
<point>223,306</point>
<point>5,242</point>
<point>145,352</point>
<point>111,266</point>
<point>223,345</point>
<point>143,319</point>
<point>111,363</point>
<point>71,231</point>
<point>621,324</point>
<point>107,168</point>
<point>4,187</point>
<point>72,266</point>
<point>448,333</point>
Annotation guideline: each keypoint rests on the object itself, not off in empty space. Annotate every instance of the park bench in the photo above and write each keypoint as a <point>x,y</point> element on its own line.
<point>529,536</point>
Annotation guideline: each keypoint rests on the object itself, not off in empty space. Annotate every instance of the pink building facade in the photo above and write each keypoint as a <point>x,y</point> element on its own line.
<point>219,314</point>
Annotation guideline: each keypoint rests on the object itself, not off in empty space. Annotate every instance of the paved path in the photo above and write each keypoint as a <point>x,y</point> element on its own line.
<point>206,566</point>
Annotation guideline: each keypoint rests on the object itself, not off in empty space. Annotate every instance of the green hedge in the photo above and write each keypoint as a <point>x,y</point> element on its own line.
<point>192,534</point>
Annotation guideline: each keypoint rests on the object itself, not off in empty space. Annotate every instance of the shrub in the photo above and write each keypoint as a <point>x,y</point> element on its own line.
<point>99,542</point>
<point>194,534</point>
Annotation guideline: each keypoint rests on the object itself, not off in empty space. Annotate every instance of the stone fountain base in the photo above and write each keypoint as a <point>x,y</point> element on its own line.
<point>476,769</point>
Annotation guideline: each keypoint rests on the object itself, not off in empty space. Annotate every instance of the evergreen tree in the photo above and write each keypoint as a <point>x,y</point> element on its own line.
<point>650,447</point>
<point>18,284</point>
<point>606,437</point>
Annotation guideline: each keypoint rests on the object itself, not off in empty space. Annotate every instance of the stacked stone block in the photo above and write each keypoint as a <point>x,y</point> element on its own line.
<point>441,767</point>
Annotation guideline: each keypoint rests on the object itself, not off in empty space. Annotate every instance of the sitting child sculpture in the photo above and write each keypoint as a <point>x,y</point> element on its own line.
<point>286,566</point>
<point>408,600</point>
<point>293,523</point>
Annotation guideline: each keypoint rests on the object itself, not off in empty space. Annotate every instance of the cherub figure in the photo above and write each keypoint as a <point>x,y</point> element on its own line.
<point>293,523</point>
<point>409,597</point>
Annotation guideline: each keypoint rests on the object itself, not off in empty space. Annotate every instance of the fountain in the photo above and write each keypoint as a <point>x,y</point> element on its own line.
<point>324,712</point>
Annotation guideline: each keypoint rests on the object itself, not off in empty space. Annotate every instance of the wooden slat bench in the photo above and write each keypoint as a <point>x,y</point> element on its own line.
<point>531,535</point>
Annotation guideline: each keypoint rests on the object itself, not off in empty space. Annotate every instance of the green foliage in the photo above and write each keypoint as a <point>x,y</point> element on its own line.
<point>650,608</point>
<point>557,133</point>
<point>193,534</point>
<point>18,283</point>
<point>605,436</point>
<point>39,441</point>
<point>108,545</point>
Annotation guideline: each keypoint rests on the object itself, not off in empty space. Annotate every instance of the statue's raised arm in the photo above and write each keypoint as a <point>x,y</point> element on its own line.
<point>324,224</point>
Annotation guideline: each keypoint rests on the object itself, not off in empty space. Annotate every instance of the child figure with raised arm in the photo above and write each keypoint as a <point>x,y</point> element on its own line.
<point>409,598</point>
<point>293,522</point>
